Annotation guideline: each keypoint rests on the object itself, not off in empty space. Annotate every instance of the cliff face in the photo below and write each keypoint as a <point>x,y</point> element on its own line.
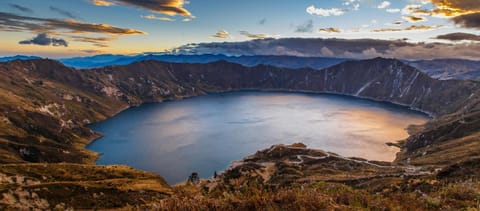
<point>379,79</point>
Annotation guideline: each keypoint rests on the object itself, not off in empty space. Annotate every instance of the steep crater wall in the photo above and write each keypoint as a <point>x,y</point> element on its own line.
<point>69,98</point>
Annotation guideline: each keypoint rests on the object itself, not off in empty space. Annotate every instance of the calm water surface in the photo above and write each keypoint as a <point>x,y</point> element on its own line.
<point>204,134</point>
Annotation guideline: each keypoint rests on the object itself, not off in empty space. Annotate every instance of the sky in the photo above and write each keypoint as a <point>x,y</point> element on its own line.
<point>66,28</point>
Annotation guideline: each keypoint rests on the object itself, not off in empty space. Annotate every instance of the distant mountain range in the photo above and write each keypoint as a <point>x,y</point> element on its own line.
<point>442,69</point>
<point>445,69</point>
<point>18,57</point>
<point>249,61</point>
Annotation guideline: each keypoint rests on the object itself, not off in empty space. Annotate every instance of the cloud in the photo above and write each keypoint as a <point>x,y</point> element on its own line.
<point>459,36</point>
<point>21,8</point>
<point>415,9</point>
<point>81,27</point>
<point>367,53</point>
<point>166,7</point>
<point>222,34</point>
<point>262,21</point>
<point>419,1</point>
<point>326,52</point>
<point>254,36</point>
<point>96,41</point>
<point>305,28</point>
<point>349,2</point>
<point>413,19</point>
<point>354,48</point>
<point>325,12</point>
<point>354,3</point>
<point>12,22</point>
<point>45,40</point>
<point>410,28</point>
<point>102,3</point>
<point>392,10</point>
<point>63,12</point>
<point>384,5</point>
<point>464,13</point>
<point>468,21</point>
<point>452,8</point>
<point>443,8</point>
<point>356,7</point>
<point>330,30</point>
<point>154,17</point>
<point>92,51</point>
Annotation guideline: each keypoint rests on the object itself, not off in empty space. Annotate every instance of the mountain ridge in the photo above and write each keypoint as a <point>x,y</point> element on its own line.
<point>443,69</point>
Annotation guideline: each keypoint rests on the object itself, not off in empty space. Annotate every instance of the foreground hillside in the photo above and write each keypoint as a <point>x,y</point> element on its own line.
<point>45,106</point>
<point>296,178</point>
<point>61,186</point>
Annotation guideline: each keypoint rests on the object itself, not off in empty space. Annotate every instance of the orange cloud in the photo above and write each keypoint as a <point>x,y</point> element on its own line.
<point>12,22</point>
<point>413,19</point>
<point>222,34</point>
<point>410,28</point>
<point>81,27</point>
<point>167,7</point>
<point>330,30</point>
<point>451,8</point>
<point>102,3</point>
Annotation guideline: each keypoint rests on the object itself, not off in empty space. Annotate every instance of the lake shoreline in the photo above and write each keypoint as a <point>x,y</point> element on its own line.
<point>329,96</point>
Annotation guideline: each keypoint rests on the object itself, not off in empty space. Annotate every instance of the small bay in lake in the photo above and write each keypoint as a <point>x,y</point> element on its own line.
<point>204,134</point>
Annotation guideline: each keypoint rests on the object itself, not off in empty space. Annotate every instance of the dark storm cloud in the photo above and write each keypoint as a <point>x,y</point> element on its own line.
<point>45,40</point>
<point>459,37</point>
<point>305,28</point>
<point>13,22</point>
<point>468,20</point>
<point>342,48</point>
<point>21,8</point>
<point>63,12</point>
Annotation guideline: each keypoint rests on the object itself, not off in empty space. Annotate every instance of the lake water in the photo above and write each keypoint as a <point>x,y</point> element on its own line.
<point>204,134</point>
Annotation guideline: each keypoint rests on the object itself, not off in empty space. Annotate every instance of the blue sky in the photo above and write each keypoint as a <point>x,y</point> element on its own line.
<point>197,21</point>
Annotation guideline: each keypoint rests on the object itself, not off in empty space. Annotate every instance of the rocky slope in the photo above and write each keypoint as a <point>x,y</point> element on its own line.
<point>45,105</point>
<point>62,186</point>
<point>445,69</point>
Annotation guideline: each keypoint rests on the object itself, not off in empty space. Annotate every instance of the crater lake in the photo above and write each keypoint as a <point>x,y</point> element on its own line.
<point>204,134</point>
